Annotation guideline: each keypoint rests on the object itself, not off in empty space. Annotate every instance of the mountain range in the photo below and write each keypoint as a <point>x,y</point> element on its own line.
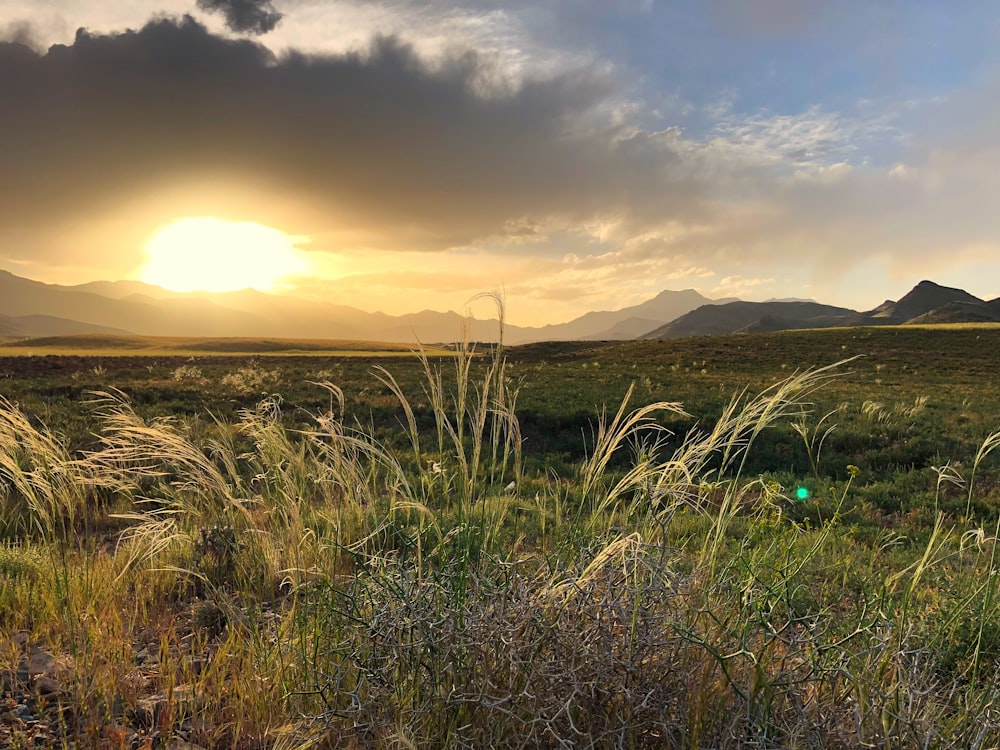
<point>31,309</point>
<point>926,303</point>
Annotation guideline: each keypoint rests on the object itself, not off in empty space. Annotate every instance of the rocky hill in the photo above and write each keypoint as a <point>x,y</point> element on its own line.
<point>927,302</point>
<point>750,317</point>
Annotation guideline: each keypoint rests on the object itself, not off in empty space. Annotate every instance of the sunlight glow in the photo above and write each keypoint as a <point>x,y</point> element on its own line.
<point>212,255</point>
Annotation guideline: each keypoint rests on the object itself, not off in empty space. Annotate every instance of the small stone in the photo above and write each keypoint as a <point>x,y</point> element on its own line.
<point>11,719</point>
<point>135,680</point>
<point>47,686</point>
<point>41,663</point>
<point>148,710</point>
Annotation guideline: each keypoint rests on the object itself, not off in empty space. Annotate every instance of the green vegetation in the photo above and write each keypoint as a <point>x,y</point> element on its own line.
<point>563,545</point>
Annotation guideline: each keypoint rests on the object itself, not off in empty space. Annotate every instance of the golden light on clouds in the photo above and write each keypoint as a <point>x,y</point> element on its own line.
<point>212,255</point>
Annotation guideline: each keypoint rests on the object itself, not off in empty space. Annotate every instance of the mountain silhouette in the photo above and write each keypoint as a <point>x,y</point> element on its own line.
<point>33,309</point>
<point>33,326</point>
<point>924,298</point>
<point>138,308</point>
<point>926,303</point>
<point>749,317</point>
<point>626,323</point>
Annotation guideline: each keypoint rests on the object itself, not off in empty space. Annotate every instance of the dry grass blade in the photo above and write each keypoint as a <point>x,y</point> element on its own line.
<point>985,449</point>
<point>611,435</point>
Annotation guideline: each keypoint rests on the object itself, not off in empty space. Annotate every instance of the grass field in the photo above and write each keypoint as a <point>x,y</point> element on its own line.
<point>778,540</point>
<point>103,345</point>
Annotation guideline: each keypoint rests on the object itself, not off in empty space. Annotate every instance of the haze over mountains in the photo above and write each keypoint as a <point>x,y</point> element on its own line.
<point>30,308</point>
<point>135,307</point>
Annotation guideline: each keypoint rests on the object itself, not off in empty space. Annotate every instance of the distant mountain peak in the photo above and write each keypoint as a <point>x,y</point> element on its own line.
<point>30,307</point>
<point>924,298</point>
<point>927,302</point>
<point>676,292</point>
<point>150,310</point>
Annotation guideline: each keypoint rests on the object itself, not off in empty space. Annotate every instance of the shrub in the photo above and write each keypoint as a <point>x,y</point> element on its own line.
<point>187,372</point>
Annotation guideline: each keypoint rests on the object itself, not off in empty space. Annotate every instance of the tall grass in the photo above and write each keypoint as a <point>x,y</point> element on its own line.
<point>320,584</point>
<point>46,492</point>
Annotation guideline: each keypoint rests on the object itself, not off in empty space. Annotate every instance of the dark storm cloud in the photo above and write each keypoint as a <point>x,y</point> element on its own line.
<point>380,140</point>
<point>245,16</point>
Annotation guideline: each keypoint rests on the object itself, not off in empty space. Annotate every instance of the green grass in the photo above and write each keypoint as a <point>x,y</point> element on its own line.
<point>557,545</point>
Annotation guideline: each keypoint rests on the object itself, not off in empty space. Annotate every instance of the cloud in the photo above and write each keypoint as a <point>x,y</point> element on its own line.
<point>810,139</point>
<point>387,156</point>
<point>379,145</point>
<point>21,33</point>
<point>245,16</point>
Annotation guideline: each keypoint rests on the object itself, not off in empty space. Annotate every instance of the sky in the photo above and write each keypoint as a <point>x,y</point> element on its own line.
<point>578,155</point>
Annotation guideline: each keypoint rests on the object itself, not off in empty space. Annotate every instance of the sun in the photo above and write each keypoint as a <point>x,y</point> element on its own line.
<point>212,255</point>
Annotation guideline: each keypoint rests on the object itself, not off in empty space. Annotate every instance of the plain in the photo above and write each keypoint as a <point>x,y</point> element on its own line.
<point>769,540</point>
